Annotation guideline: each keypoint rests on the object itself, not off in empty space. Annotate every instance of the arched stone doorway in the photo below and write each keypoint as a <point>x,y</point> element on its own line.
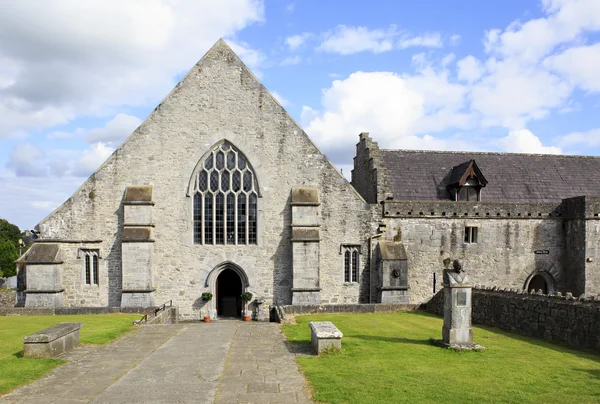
<point>228,296</point>
<point>540,280</point>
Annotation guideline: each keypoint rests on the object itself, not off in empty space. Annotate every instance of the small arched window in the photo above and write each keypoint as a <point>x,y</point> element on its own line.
<point>225,195</point>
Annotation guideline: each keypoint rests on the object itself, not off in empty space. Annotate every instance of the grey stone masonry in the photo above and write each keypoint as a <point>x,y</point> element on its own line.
<point>557,318</point>
<point>324,336</point>
<point>52,341</point>
<point>305,245</point>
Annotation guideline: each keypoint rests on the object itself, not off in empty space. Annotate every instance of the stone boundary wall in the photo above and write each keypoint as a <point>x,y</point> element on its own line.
<point>22,311</point>
<point>7,300</point>
<point>560,319</point>
<point>281,314</point>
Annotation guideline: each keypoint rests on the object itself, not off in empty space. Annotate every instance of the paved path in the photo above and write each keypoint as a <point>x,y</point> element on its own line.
<point>219,362</point>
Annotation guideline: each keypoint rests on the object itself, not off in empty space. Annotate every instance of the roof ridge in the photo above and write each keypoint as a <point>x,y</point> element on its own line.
<point>490,153</point>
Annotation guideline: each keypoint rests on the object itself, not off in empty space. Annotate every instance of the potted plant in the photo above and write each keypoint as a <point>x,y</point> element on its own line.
<point>207,297</point>
<point>246,297</point>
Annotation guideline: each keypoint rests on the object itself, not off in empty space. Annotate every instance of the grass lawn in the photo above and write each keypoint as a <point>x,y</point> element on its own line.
<point>16,370</point>
<point>388,358</point>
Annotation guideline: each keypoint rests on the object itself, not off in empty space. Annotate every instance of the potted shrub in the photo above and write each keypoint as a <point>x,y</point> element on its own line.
<point>246,297</point>
<point>207,297</point>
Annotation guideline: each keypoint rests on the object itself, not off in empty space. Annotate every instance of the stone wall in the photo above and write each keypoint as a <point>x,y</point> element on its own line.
<point>218,99</point>
<point>7,300</point>
<point>508,237</point>
<point>560,319</point>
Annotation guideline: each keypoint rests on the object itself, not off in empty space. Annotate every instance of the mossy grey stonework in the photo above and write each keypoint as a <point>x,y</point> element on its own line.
<point>318,238</point>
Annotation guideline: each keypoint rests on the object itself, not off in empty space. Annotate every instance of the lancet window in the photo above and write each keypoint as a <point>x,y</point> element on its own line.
<point>225,198</point>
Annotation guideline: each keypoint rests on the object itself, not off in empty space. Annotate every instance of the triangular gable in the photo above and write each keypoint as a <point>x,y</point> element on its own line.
<point>219,51</point>
<point>460,174</point>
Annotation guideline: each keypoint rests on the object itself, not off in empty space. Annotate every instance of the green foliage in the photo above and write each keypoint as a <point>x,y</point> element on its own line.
<point>9,231</point>
<point>16,370</point>
<point>207,296</point>
<point>246,296</point>
<point>8,255</point>
<point>389,358</point>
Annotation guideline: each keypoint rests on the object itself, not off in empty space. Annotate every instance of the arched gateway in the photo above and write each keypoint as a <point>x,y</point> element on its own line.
<point>227,281</point>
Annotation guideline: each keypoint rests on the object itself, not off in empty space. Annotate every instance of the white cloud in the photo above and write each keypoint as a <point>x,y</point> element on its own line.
<point>523,141</point>
<point>580,65</point>
<point>393,108</point>
<point>115,131</point>
<point>529,41</point>
<point>454,40</point>
<point>74,62</point>
<point>430,40</point>
<point>27,200</point>
<point>470,69</point>
<point>296,41</point>
<point>347,40</point>
<point>280,99</point>
<point>91,158</point>
<point>590,138</point>
<point>26,160</point>
<point>512,94</point>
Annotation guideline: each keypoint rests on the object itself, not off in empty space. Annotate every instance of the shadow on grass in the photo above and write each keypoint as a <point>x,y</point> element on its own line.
<point>592,372</point>
<point>400,340</point>
<point>555,346</point>
<point>18,354</point>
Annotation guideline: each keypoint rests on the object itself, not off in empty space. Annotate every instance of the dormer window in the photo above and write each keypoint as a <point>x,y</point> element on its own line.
<point>471,191</point>
<point>466,182</point>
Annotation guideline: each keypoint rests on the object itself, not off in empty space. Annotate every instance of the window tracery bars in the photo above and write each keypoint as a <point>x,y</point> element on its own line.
<point>91,267</point>
<point>351,263</point>
<point>225,199</point>
<point>88,269</point>
<point>354,266</point>
<point>95,269</point>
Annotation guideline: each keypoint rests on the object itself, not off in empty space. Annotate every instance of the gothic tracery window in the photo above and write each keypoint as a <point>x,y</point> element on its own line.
<point>225,198</point>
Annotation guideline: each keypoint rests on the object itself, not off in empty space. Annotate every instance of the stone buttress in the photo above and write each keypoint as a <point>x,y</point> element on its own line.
<point>137,248</point>
<point>43,266</point>
<point>305,246</point>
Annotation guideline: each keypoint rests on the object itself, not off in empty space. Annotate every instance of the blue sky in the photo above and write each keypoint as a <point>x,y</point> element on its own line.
<point>510,76</point>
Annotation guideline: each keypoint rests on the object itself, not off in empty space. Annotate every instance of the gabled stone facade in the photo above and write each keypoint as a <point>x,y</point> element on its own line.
<point>220,191</point>
<point>146,240</point>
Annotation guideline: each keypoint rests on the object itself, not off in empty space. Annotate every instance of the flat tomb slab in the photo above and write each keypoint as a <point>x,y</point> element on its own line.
<point>52,341</point>
<point>324,336</point>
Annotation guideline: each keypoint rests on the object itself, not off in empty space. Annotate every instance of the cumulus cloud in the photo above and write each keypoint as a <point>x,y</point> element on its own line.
<point>523,141</point>
<point>280,99</point>
<point>26,160</point>
<point>395,109</point>
<point>296,41</point>
<point>470,69</point>
<point>590,138</point>
<point>75,62</point>
<point>580,65</point>
<point>91,158</point>
<point>115,131</point>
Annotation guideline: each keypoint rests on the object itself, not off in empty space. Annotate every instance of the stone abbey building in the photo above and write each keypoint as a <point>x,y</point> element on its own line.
<point>220,191</point>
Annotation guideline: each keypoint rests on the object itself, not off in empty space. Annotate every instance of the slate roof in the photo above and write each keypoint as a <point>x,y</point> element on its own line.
<point>425,175</point>
<point>43,254</point>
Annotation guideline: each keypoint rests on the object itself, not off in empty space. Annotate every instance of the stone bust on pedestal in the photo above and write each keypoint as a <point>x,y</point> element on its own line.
<point>457,275</point>
<point>457,332</point>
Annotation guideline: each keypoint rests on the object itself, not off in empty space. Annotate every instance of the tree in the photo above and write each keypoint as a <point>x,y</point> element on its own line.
<point>9,231</point>
<point>8,255</point>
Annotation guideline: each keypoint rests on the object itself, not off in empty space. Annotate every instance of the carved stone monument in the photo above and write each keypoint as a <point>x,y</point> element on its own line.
<point>457,332</point>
